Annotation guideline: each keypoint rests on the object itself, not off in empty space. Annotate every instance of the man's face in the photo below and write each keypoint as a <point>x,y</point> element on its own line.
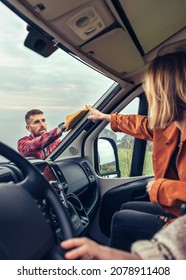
<point>36,125</point>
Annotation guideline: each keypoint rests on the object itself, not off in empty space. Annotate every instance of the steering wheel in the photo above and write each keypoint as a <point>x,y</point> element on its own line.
<point>39,188</point>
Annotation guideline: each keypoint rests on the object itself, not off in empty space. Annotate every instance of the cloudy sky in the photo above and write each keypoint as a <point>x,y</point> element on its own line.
<point>59,85</point>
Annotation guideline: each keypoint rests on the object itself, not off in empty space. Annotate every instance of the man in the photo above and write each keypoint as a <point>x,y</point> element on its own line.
<point>40,143</point>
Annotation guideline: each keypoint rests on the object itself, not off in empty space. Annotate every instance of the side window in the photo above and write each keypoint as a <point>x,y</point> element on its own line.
<point>124,143</point>
<point>147,167</point>
<point>115,157</point>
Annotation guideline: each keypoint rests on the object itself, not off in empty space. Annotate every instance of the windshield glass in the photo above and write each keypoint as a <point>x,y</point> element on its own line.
<point>58,85</point>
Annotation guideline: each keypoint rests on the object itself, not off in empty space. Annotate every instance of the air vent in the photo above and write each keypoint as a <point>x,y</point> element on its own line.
<point>5,178</point>
<point>87,169</point>
<point>87,23</point>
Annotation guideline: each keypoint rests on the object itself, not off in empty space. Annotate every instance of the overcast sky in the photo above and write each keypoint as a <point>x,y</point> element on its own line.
<point>59,85</point>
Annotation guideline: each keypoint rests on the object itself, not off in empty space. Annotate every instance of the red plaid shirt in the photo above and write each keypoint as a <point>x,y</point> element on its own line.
<point>39,147</point>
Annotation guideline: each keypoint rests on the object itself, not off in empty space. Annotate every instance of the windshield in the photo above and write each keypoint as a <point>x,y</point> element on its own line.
<point>58,85</point>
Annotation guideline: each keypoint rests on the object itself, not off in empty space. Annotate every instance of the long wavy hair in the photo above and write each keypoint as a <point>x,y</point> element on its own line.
<point>165,88</point>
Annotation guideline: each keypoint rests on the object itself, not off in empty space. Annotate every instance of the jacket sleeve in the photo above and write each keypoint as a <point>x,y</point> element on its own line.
<point>31,145</point>
<point>134,125</point>
<point>168,244</point>
<point>167,192</point>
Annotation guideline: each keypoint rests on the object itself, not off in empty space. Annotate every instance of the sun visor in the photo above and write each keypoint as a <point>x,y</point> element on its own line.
<point>116,50</point>
<point>51,9</point>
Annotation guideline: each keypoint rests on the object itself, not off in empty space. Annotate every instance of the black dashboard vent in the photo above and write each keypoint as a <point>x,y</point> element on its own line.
<point>87,169</point>
<point>5,178</point>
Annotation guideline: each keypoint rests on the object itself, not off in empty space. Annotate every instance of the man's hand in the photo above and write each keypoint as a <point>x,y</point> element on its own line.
<point>62,126</point>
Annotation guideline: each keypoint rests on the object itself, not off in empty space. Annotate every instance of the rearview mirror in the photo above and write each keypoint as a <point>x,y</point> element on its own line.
<point>38,43</point>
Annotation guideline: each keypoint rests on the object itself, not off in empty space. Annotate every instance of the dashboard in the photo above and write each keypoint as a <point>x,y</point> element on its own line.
<point>74,181</point>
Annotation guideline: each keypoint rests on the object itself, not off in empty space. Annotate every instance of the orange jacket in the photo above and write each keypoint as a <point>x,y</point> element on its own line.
<point>168,193</point>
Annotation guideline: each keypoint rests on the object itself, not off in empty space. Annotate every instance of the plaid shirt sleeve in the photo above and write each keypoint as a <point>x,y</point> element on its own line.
<point>28,145</point>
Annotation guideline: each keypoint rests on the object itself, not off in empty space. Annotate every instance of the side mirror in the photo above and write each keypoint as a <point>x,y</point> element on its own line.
<point>108,162</point>
<point>39,43</point>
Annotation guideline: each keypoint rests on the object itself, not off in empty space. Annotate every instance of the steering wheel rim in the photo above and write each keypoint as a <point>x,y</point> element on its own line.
<point>37,185</point>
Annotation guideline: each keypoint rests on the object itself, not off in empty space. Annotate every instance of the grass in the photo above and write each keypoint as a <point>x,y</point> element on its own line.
<point>125,159</point>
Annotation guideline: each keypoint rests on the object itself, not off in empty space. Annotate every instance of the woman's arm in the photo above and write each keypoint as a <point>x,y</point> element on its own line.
<point>134,125</point>
<point>96,115</point>
<point>167,192</point>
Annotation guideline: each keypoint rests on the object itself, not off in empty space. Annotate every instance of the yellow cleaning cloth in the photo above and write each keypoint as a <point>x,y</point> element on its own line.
<point>72,120</point>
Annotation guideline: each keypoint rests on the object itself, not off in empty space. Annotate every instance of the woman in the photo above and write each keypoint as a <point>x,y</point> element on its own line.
<point>165,88</point>
<point>168,244</point>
